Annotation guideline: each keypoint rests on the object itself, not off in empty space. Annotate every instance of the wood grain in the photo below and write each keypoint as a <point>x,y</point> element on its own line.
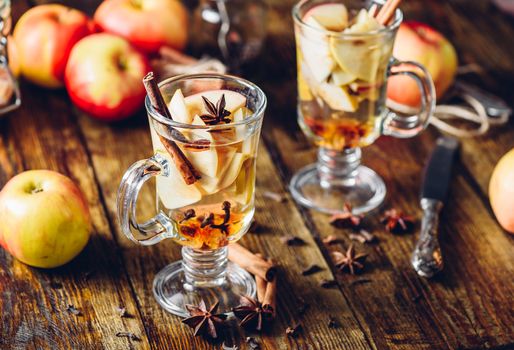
<point>469,306</point>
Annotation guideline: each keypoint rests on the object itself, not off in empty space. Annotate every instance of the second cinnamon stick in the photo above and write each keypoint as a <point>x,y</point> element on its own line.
<point>251,262</point>
<point>184,166</point>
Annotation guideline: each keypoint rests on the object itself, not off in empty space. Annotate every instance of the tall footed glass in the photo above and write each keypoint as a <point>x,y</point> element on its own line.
<point>216,127</point>
<point>344,59</point>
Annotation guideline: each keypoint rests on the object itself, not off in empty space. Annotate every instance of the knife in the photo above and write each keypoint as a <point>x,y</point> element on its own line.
<point>427,259</point>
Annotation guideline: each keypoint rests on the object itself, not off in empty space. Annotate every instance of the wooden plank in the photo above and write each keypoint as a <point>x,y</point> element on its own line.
<point>113,149</point>
<point>41,134</point>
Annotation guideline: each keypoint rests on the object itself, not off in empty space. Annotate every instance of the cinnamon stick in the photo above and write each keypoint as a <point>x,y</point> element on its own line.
<point>270,296</point>
<point>387,11</point>
<point>184,166</point>
<point>251,262</point>
<point>261,285</point>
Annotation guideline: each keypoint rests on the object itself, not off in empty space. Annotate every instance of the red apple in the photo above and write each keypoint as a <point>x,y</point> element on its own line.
<point>44,218</point>
<point>501,191</point>
<point>44,36</point>
<point>104,76</point>
<point>147,24</point>
<point>420,43</point>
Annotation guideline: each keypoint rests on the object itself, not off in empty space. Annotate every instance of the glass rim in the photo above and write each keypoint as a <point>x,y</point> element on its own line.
<point>387,29</point>
<point>256,115</point>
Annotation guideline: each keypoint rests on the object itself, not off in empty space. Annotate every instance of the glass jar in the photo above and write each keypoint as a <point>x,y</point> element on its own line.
<point>233,30</point>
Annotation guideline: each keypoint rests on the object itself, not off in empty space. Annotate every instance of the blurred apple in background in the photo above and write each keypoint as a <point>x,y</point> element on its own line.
<point>12,56</point>
<point>44,218</point>
<point>147,24</point>
<point>420,43</point>
<point>104,76</point>
<point>44,37</point>
<point>501,191</point>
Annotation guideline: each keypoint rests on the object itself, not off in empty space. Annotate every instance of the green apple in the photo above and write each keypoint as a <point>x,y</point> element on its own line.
<point>44,218</point>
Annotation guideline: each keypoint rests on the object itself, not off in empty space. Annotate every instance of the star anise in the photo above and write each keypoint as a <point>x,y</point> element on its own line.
<point>204,321</point>
<point>349,261</point>
<point>251,313</point>
<point>397,222</point>
<point>216,112</point>
<point>346,219</point>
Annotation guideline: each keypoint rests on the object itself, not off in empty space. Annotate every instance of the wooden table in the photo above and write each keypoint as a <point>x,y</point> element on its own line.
<point>469,306</point>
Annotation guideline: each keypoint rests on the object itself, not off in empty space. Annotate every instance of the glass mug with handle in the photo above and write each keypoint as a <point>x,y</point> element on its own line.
<point>216,126</point>
<point>344,58</point>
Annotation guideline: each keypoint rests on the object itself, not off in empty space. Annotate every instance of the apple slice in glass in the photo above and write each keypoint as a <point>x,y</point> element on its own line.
<point>332,17</point>
<point>178,108</point>
<point>337,97</point>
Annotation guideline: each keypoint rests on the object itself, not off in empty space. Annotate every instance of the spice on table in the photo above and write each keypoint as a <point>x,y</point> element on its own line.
<point>362,236</point>
<point>250,262</point>
<point>327,283</point>
<point>312,269</point>
<point>291,240</point>
<point>346,219</point>
<point>252,314</point>
<point>255,227</point>
<point>293,331</point>
<point>396,221</point>
<point>129,335</point>
<point>350,261</point>
<point>73,310</point>
<point>122,312</point>
<point>331,239</point>
<point>333,322</point>
<point>205,321</point>
<point>252,343</point>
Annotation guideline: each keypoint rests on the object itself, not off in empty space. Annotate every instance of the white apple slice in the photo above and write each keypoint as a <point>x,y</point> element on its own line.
<point>178,108</point>
<point>233,100</point>
<point>357,57</point>
<point>173,191</point>
<point>205,161</point>
<point>315,51</point>
<point>333,17</point>
<point>233,171</point>
<point>241,136</point>
<point>337,97</point>
<point>340,77</point>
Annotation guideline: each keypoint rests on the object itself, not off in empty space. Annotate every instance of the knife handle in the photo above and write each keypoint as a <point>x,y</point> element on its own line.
<point>427,259</point>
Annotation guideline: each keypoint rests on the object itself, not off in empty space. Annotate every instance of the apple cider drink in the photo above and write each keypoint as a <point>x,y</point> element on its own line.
<point>343,58</point>
<point>218,207</point>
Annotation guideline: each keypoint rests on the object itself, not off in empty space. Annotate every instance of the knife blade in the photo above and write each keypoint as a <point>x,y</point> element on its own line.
<point>427,259</point>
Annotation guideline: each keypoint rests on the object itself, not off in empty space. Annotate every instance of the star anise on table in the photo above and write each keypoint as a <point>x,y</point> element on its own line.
<point>252,313</point>
<point>216,112</point>
<point>203,320</point>
<point>350,261</point>
<point>397,222</point>
<point>346,219</point>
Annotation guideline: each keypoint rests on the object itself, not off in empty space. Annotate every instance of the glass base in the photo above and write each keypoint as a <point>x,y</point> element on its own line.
<point>364,193</point>
<point>173,292</point>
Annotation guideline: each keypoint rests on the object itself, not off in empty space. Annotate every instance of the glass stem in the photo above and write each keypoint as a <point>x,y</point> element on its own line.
<point>204,268</point>
<point>338,168</point>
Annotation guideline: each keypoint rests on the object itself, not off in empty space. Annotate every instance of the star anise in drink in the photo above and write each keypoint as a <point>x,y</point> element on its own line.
<point>397,222</point>
<point>350,261</point>
<point>252,313</point>
<point>203,320</point>
<point>216,113</point>
<point>346,219</point>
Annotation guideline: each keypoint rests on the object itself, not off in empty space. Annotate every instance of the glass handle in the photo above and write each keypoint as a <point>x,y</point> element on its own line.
<point>159,227</point>
<point>411,125</point>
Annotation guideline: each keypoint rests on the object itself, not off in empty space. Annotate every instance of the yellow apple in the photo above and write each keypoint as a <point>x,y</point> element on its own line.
<point>501,191</point>
<point>44,218</point>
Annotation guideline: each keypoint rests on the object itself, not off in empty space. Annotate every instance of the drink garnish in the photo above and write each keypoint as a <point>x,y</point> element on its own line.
<point>216,112</point>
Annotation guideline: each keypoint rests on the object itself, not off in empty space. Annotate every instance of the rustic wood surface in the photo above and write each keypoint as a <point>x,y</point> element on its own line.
<point>469,306</point>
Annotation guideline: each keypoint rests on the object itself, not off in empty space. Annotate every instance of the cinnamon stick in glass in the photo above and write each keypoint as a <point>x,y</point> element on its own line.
<point>184,166</point>
<point>251,262</point>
